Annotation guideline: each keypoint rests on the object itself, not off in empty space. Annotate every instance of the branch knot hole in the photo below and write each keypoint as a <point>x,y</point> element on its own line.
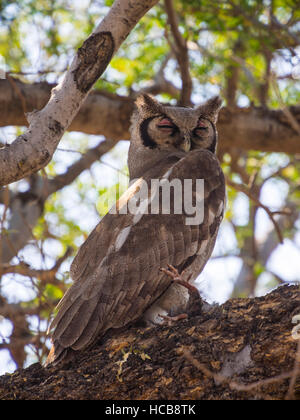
<point>94,56</point>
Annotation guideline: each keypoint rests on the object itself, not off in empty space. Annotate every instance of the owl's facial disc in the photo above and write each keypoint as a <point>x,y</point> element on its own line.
<point>165,134</point>
<point>204,136</point>
<point>168,132</point>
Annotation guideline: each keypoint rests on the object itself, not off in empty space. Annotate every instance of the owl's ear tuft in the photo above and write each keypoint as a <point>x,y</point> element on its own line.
<point>214,103</point>
<point>147,104</point>
<point>212,107</point>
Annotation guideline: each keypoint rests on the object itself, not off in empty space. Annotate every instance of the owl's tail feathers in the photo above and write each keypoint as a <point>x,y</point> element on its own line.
<point>58,354</point>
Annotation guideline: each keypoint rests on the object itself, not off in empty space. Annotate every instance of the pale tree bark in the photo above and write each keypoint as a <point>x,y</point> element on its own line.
<point>34,149</point>
<point>245,128</point>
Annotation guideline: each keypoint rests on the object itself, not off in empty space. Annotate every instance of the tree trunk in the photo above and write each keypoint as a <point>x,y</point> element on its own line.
<point>243,349</point>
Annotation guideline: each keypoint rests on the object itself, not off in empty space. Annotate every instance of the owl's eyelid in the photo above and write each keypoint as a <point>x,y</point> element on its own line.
<point>199,128</point>
<point>204,122</point>
<point>196,131</point>
<point>169,125</point>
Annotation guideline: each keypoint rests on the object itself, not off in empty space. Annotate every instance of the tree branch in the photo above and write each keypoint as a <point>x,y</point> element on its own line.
<point>242,188</point>
<point>26,208</point>
<point>45,276</point>
<point>161,84</point>
<point>180,50</point>
<point>265,250</point>
<point>90,157</point>
<point>246,128</point>
<point>232,80</point>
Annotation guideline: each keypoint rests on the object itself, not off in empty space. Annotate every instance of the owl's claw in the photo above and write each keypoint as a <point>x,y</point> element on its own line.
<point>168,320</point>
<point>177,278</point>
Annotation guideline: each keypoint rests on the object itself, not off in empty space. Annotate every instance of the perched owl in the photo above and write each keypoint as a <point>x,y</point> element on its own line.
<point>117,272</point>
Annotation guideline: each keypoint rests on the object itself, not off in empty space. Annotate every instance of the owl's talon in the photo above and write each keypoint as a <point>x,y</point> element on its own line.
<point>177,278</point>
<point>168,320</point>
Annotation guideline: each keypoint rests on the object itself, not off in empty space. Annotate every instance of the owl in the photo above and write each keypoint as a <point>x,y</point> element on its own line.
<point>119,273</point>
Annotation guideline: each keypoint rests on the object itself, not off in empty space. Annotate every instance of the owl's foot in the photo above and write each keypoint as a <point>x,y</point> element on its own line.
<point>178,278</point>
<point>168,320</point>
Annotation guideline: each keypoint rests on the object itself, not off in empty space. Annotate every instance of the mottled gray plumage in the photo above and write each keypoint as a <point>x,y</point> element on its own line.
<point>116,273</point>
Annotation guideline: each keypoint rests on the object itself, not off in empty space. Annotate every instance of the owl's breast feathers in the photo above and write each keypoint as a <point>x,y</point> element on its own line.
<point>116,272</point>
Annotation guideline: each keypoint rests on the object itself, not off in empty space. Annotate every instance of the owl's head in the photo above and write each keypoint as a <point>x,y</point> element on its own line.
<point>164,127</point>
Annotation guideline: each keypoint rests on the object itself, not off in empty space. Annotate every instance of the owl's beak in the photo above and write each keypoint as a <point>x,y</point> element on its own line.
<point>185,145</point>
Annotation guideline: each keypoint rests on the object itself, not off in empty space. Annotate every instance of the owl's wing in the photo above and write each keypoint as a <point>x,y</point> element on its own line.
<point>117,271</point>
<point>214,207</point>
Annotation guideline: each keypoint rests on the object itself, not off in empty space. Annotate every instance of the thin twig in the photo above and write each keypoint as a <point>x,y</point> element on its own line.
<point>236,386</point>
<point>290,117</point>
<point>45,276</point>
<point>242,188</point>
<point>100,160</point>
<point>91,156</point>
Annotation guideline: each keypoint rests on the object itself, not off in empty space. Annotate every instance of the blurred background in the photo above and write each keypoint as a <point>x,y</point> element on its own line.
<point>183,52</point>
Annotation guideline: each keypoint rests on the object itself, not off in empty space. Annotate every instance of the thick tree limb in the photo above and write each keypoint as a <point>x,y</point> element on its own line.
<point>241,350</point>
<point>246,128</point>
<point>108,106</point>
<point>259,129</point>
<point>34,149</point>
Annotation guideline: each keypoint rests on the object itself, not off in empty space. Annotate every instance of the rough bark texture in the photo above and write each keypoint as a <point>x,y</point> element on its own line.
<point>213,355</point>
<point>247,128</point>
<point>34,149</point>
